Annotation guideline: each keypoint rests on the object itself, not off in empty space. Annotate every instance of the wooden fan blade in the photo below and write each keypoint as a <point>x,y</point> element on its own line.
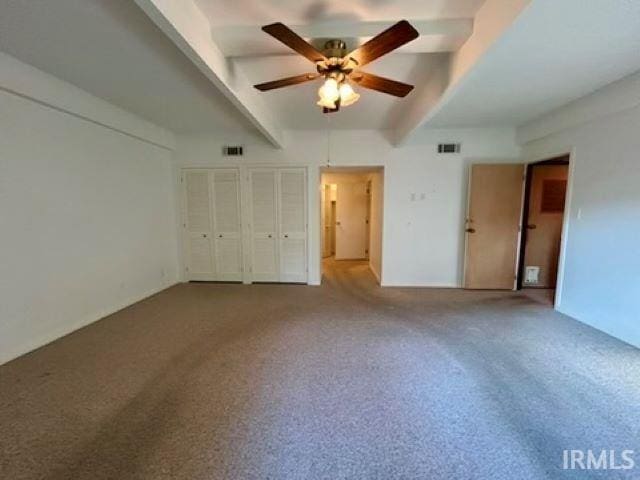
<point>381,84</point>
<point>392,38</point>
<point>281,32</point>
<point>285,82</point>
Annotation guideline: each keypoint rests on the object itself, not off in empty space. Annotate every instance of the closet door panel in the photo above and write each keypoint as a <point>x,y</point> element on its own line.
<point>264,225</point>
<point>226,201</point>
<point>227,227</point>
<point>198,228</point>
<point>200,257</point>
<point>265,268</point>
<point>229,259</point>
<point>292,207</point>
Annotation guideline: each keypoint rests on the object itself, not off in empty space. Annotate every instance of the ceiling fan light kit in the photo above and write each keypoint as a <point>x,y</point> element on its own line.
<point>339,68</point>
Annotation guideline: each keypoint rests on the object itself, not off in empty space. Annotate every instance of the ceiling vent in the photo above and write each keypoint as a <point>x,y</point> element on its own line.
<point>232,151</point>
<point>448,148</point>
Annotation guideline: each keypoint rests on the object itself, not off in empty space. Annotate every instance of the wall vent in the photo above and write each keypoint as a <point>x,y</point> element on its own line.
<point>448,148</point>
<point>232,151</point>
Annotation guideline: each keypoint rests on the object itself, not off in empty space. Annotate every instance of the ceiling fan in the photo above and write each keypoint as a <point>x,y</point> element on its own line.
<point>340,68</point>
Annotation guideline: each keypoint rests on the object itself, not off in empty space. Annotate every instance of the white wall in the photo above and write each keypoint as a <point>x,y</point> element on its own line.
<point>376,224</point>
<point>423,238</point>
<point>86,211</point>
<point>600,285</point>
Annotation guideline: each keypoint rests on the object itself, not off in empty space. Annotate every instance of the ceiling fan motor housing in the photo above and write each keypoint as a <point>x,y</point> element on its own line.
<point>335,49</point>
<point>336,64</point>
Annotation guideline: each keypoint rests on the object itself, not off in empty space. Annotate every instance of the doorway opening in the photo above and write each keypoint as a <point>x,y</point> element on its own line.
<point>542,220</point>
<point>351,208</point>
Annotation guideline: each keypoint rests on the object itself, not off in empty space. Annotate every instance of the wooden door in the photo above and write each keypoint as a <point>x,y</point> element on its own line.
<point>325,215</point>
<point>264,227</point>
<point>493,225</point>
<point>351,221</point>
<point>197,226</point>
<point>292,219</point>
<point>544,224</point>
<point>227,236</point>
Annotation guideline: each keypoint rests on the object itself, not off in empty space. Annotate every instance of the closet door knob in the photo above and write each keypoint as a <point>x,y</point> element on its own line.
<point>270,236</point>
<point>220,236</point>
<point>204,235</point>
<point>286,236</point>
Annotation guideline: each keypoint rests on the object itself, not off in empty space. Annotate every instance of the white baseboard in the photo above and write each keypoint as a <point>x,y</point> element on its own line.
<point>422,285</point>
<point>375,273</point>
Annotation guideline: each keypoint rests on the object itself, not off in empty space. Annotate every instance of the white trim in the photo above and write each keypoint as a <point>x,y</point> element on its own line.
<point>375,274</point>
<point>424,285</point>
<point>521,226</point>
<point>565,231</point>
<point>464,228</point>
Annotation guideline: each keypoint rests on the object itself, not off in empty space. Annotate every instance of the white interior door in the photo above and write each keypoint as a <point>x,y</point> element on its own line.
<point>264,232</point>
<point>227,237</point>
<point>292,207</point>
<point>351,221</point>
<point>198,227</point>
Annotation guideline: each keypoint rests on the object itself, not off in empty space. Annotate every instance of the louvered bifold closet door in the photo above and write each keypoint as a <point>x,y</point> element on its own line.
<point>227,237</point>
<point>198,226</point>
<point>264,252</point>
<point>292,208</point>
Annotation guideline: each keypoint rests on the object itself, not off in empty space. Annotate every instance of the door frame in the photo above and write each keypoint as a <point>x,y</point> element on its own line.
<point>561,160</point>
<point>564,156</point>
<point>351,169</point>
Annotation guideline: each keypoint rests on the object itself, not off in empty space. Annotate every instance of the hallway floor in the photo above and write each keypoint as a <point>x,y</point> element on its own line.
<point>343,381</point>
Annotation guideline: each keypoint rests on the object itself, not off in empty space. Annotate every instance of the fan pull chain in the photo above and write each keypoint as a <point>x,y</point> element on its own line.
<point>328,140</point>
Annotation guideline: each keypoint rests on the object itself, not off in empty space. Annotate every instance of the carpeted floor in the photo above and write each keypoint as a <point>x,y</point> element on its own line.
<point>347,380</point>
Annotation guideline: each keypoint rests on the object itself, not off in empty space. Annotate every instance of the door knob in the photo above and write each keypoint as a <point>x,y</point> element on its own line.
<point>270,236</point>
<point>220,236</point>
<point>337,223</point>
<point>532,227</point>
<point>204,235</point>
<point>470,230</point>
<point>286,236</point>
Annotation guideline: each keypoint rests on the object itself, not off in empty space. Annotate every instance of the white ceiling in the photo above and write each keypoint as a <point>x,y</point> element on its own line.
<point>236,29</point>
<point>555,52</point>
<point>112,50</point>
<point>293,12</point>
<point>442,35</point>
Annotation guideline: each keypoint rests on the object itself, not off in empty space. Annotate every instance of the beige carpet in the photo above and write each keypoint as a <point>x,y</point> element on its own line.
<point>347,380</point>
